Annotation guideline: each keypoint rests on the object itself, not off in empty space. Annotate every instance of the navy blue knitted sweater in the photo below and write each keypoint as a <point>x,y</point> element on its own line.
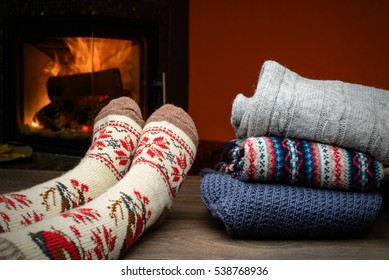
<point>274,210</point>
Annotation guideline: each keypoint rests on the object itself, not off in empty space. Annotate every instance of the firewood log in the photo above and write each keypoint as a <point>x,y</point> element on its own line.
<point>73,87</point>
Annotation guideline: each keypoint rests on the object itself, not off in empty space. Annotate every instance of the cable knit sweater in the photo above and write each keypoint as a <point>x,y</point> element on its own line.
<point>332,112</point>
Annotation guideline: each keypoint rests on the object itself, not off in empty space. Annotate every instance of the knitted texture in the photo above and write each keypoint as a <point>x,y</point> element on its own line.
<point>332,112</point>
<point>300,163</point>
<point>116,134</point>
<point>283,211</point>
<point>108,226</point>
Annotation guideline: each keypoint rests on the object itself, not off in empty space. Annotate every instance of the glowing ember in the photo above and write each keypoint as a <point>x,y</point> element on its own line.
<point>35,123</point>
<point>86,129</point>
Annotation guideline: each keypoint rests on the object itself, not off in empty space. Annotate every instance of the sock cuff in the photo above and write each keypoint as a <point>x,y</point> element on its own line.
<point>178,117</point>
<point>124,106</point>
<point>8,251</point>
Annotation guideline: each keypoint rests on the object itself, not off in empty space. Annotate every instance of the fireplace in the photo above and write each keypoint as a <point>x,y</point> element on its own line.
<point>64,71</point>
<point>59,71</point>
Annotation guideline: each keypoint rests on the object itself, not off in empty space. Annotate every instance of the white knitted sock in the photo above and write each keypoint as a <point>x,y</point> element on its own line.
<point>107,227</point>
<point>116,134</point>
<point>331,112</point>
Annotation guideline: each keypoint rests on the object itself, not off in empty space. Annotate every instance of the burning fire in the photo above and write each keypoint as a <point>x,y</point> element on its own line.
<point>88,55</point>
<point>83,55</point>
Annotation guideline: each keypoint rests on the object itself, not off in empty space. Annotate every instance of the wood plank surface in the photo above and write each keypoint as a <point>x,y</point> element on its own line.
<point>190,232</point>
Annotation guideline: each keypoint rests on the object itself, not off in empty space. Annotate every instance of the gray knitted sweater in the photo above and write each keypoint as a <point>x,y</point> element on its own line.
<point>332,112</point>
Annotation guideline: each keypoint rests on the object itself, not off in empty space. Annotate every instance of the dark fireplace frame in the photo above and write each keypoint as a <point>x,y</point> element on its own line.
<point>164,23</point>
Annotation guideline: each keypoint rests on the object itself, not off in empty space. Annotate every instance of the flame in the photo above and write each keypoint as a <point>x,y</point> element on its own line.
<point>81,55</point>
<point>94,54</point>
<point>35,123</point>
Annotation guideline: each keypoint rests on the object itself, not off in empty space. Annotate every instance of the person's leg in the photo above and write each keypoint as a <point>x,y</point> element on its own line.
<point>109,225</point>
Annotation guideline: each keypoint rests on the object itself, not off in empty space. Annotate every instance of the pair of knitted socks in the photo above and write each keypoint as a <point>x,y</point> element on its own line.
<point>126,182</point>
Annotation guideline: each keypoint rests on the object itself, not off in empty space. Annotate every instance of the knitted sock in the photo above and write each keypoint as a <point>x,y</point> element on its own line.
<point>300,163</point>
<point>332,112</point>
<point>116,133</point>
<point>107,227</point>
<point>284,211</point>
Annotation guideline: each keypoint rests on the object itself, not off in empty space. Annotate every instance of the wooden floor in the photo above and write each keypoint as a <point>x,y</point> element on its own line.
<point>190,232</point>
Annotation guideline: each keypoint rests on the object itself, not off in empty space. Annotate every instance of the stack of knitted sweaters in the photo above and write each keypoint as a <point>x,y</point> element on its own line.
<point>307,161</point>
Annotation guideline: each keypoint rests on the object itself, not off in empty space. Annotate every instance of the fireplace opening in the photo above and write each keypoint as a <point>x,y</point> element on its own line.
<point>61,74</point>
<point>66,82</point>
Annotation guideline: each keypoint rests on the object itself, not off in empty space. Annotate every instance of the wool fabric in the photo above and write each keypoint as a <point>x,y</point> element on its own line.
<point>288,105</point>
<point>299,163</point>
<point>109,225</point>
<point>284,211</point>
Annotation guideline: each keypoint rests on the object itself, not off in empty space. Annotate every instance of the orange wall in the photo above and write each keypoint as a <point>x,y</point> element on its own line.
<point>229,41</point>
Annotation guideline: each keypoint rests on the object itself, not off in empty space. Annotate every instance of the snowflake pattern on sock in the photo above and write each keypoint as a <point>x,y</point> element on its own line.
<point>114,151</point>
<point>69,243</point>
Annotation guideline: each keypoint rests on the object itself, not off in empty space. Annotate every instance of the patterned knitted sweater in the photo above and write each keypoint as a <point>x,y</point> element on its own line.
<point>300,163</point>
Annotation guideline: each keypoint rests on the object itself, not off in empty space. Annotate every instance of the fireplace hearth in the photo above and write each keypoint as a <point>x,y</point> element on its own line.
<point>60,67</point>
